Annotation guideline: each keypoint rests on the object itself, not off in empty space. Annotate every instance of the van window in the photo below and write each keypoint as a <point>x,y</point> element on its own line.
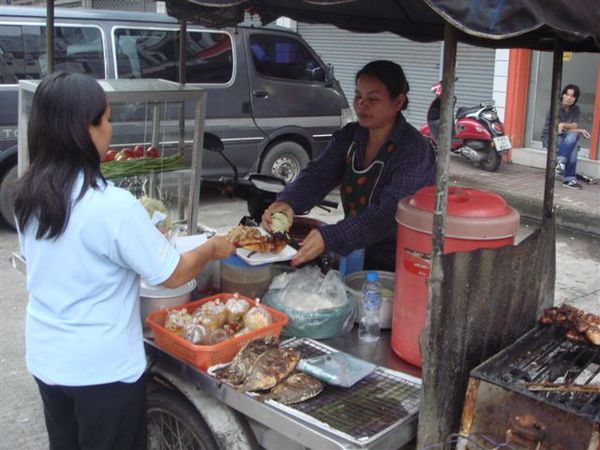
<point>284,57</point>
<point>155,54</point>
<point>23,51</point>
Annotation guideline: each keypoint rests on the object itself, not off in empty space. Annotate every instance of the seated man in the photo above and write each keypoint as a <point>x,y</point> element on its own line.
<point>568,136</point>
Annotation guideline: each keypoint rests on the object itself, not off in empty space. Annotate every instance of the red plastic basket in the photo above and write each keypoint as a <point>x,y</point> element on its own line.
<point>204,356</point>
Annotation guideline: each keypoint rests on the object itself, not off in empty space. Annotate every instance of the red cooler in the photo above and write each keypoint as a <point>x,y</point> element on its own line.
<point>475,219</point>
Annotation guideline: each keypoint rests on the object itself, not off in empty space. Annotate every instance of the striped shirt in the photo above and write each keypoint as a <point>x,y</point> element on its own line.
<point>408,168</point>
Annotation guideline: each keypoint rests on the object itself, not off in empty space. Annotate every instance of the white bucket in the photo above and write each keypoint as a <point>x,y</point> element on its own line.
<point>153,298</point>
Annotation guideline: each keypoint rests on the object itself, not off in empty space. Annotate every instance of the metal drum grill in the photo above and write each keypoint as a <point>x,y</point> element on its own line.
<point>541,392</point>
<point>378,402</point>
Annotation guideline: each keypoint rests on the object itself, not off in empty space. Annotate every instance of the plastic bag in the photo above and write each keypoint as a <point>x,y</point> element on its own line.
<point>337,368</point>
<point>317,306</point>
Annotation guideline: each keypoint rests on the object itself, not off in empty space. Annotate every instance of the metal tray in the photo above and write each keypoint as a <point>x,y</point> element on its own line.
<point>362,414</point>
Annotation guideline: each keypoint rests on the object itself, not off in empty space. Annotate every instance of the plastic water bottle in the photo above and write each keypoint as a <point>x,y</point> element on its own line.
<point>368,328</point>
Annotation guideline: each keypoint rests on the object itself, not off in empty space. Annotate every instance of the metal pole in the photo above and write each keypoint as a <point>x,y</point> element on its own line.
<point>557,64</point>
<point>49,36</point>
<point>181,143</point>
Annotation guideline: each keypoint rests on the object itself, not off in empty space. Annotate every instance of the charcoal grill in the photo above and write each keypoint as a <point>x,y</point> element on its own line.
<point>542,392</point>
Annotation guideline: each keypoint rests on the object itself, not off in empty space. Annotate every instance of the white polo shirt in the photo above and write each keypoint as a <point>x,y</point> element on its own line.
<point>83,322</point>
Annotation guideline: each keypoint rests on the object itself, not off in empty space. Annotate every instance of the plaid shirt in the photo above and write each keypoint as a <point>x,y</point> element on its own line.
<point>408,168</point>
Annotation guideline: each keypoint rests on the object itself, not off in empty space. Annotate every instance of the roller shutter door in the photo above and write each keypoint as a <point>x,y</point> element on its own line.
<point>348,52</point>
<point>475,72</point>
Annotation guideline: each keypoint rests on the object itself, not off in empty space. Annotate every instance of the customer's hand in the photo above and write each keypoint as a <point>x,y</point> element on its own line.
<point>266,221</point>
<point>221,247</point>
<point>310,248</point>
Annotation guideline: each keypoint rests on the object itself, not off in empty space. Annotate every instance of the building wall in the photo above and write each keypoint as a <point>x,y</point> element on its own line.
<point>500,81</point>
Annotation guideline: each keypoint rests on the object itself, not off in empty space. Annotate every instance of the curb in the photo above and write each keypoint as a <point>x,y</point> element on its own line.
<point>566,218</point>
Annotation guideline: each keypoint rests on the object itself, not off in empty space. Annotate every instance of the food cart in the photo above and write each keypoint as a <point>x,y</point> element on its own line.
<point>523,275</point>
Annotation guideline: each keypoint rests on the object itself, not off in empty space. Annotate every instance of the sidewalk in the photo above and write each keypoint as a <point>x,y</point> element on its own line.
<point>523,188</point>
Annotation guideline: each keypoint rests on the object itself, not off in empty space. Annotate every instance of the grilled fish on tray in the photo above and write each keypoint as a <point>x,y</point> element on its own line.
<point>270,368</point>
<point>241,365</point>
<point>262,365</point>
<point>296,388</point>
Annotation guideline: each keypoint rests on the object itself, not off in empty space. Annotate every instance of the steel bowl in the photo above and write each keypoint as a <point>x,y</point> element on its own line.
<point>153,298</point>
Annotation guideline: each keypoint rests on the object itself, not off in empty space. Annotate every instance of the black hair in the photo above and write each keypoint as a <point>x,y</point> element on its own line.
<point>60,148</point>
<point>390,74</point>
<point>576,92</point>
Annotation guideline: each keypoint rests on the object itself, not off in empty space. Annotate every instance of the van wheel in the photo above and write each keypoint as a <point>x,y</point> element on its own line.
<point>7,202</point>
<point>284,160</point>
<point>173,423</point>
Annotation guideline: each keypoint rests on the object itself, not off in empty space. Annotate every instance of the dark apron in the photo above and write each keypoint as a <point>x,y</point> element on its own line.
<point>356,191</point>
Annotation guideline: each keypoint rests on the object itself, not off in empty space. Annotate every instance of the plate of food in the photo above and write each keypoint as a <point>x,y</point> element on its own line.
<point>256,246</point>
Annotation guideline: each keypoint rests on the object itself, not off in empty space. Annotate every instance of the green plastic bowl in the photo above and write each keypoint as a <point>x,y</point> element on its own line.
<point>321,324</point>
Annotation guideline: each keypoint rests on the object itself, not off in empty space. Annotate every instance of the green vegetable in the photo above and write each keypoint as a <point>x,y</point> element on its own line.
<point>141,166</point>
<point>158,212</point>
<point>280,222</point>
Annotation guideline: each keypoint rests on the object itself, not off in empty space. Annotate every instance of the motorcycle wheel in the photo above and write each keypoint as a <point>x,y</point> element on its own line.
<point>492,162</point>
<point>174,424</point>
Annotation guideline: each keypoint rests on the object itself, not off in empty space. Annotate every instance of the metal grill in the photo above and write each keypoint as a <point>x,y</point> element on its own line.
<point>543,359</point>
<point>370,407</point>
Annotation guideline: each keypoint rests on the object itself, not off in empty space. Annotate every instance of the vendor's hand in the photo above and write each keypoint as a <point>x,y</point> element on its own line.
<point>585,133</point>
<point>221,247</point>
<point>283,207</point>
<point>310,248</point>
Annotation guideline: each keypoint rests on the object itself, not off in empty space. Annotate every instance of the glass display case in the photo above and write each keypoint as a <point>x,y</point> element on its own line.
<point>156,149</point>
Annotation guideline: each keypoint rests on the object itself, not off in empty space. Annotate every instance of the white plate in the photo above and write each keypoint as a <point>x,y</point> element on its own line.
<point>265,258</point>
<point>502,143</point>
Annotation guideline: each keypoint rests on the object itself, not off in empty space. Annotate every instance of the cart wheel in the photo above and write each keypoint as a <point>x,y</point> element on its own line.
<point>174,424</point>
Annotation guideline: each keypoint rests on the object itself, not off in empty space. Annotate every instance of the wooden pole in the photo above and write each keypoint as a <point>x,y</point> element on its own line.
<point>557,64</point>
<point>435,424</point>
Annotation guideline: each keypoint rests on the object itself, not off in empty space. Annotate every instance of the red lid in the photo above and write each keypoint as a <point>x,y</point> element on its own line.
<point>471,214</point>
<point>462,201</point>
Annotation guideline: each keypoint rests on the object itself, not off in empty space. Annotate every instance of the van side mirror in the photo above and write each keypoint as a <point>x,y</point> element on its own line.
<point>329,77</point>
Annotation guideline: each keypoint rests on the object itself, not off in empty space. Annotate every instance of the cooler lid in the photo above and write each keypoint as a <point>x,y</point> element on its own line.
<point>471,213</point>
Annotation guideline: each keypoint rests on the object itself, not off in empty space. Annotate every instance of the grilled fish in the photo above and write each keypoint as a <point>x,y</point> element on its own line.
<point>296,388</point>
<point>239,368</point>
<point>270,368</point>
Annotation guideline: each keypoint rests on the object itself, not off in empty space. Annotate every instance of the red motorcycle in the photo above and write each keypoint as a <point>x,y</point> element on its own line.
<point>478,133</point>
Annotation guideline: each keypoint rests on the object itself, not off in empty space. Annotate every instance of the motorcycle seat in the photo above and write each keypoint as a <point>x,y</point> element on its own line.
<point>464,110</point>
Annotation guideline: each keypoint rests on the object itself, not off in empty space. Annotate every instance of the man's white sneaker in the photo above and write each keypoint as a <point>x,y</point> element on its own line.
<point>571,184</point>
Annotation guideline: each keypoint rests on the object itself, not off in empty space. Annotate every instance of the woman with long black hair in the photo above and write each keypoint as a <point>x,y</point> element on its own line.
<point>86,244</point>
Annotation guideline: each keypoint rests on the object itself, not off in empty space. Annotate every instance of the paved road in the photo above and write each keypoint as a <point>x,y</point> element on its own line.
<point>21,418</point>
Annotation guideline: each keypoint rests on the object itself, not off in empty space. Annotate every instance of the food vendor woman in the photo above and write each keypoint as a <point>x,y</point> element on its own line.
<point>86,243</point>
<point>375,161</point>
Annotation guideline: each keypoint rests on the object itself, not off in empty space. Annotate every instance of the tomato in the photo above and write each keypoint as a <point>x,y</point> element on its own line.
<point>109,156</point>
<point>124,154</point>
<point>152,152</point>
<point>138,151</point>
